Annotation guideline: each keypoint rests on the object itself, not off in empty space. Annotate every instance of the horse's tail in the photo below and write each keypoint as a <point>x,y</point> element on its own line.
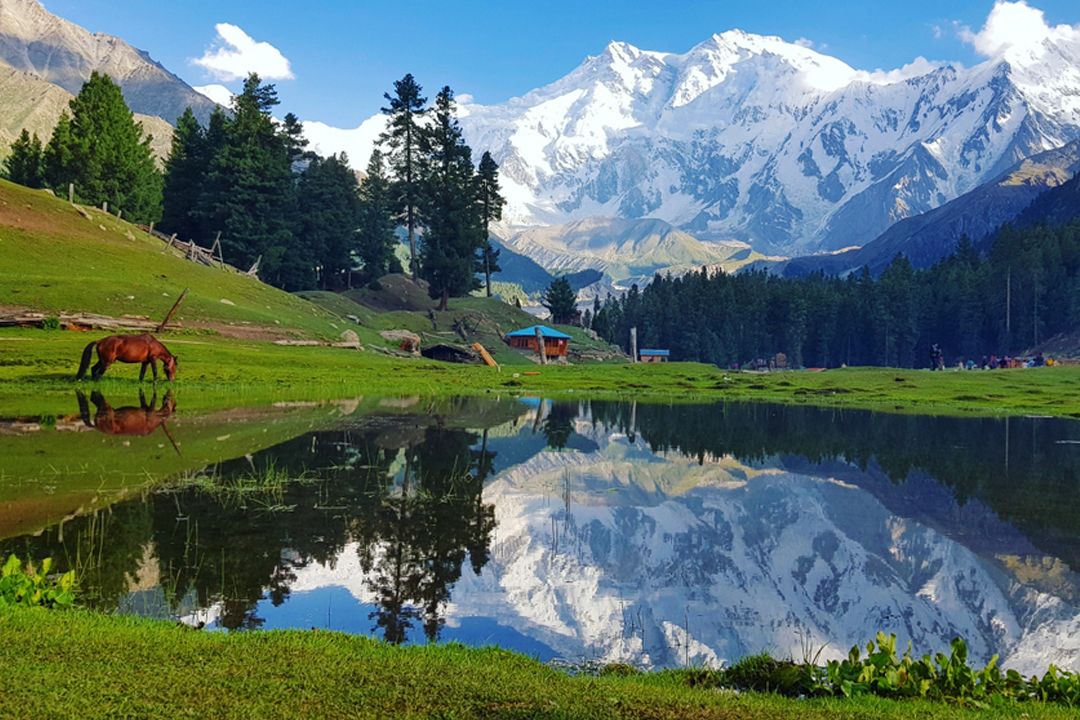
<point>87,356</point>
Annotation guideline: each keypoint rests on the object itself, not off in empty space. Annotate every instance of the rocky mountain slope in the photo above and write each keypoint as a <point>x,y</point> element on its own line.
<point>59,52</point>
<point>933,235</point>
<point>32,104</point>
<point>625,249</point>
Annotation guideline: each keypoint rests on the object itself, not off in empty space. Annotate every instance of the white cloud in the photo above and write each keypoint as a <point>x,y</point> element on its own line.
<point>916,68</point>
<point>218,93</point>
<point>236,55</point>
<point>1015,25</point>
<point>803,42</point>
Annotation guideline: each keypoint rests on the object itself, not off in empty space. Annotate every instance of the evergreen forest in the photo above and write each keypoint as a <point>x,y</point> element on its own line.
<point>1021,290</point>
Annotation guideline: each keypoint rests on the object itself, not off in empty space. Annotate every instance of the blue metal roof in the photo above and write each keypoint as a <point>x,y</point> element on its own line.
<point>663,353</point>
<point>544,331</point>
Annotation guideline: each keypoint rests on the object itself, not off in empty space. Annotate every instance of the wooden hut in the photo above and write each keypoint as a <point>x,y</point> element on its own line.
<point>652,356</point>
<point>556,344</point>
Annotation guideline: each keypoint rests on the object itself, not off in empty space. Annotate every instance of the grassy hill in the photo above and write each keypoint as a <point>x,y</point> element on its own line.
<point>55,258</point>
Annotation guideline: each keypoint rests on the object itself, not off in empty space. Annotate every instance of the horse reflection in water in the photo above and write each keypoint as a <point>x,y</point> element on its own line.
<point>129,420</point>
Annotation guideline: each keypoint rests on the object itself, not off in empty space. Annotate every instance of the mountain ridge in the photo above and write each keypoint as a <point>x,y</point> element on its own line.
<point>931,236</point>
<point>57,51</point>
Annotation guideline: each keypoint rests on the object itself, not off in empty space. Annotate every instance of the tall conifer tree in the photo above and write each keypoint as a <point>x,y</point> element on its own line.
<point>491,204</point>
<point>184,173</point>
<point>250,193</point>
<point>25,164</point>
<point>101,149</point>
<point>377,240</point>
<point>454,233</point>
<point>329,217</point>
<point>403,138</point>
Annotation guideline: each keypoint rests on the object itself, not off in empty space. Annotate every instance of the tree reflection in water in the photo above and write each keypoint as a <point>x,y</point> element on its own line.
<point>234,534</point>
<point>415,544</point>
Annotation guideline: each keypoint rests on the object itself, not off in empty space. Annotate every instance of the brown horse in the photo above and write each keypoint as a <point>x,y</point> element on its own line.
<point>130,420</point>
<point>143,349</point>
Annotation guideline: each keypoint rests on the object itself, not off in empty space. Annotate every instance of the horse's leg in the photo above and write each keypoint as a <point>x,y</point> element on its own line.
<point>142,372</point>
<point>84,408</point>
<point>99,401</point>
<point>99,369</point>
<point>142,400</point>
<point>153,366</point>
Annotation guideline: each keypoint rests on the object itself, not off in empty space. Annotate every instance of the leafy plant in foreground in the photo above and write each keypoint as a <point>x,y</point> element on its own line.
<point>27,587</point>
<point>882,673</point>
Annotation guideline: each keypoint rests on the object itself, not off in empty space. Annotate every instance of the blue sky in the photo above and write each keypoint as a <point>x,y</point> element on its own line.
<point>344,54</point>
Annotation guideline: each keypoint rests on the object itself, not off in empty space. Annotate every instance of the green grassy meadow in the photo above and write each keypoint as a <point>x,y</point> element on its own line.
<point>87,665</point>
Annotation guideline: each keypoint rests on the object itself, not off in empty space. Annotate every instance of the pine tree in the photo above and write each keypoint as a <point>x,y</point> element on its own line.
<point>25,164</point>
<point>292,131</point>
<point>101,150</point>
<point>454,234</point>
<point>331,215</point>
<point>249,195</point>
<point>561,300</point>
<point>58,156</point>
<point>491,204</point>
<point>403,140</point>
<point>376,235</point>
<point>185,171</point>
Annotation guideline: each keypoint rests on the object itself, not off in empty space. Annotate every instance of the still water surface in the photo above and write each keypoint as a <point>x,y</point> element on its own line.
<point>605,531</point>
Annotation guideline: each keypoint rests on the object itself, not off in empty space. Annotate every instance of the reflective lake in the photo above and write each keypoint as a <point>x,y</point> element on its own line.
<point>660,535</point>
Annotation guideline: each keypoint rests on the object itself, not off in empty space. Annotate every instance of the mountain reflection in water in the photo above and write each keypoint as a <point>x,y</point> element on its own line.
<point>656,535</point>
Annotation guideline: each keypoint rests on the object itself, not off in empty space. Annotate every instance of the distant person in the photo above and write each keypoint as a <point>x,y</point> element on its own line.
<point>1039,361</point>
<point>993,362</point>
<point>936,360</point>
<point>985,363</point>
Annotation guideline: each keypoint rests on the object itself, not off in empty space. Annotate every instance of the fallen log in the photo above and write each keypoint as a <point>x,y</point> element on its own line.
<point>82,321</point>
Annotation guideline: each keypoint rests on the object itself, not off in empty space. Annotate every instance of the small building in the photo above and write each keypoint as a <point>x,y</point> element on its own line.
<point>556,344</point>
<point>651,356</point>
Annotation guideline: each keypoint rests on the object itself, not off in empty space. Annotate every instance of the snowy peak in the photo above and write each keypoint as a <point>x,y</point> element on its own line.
<point>752,139</point>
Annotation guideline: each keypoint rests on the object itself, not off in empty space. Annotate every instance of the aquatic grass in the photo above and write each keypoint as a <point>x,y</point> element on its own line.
<point>263,487</point>
<point>89,665</point>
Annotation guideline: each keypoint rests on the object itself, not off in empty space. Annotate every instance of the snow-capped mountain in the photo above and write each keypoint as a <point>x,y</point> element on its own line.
<point>751,138</point>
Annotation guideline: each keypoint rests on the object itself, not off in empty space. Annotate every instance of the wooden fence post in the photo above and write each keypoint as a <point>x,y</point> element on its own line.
<point>633,345</point>
<point>71,193</point>
<point>174,308</point>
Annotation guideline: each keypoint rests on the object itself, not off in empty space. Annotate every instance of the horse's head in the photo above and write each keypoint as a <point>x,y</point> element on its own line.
<point>170,366</point>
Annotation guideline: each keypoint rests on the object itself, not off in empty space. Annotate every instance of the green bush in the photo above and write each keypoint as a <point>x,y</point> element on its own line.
<point>883,674</point>
<point>50,323</point>
<point>28,587</point>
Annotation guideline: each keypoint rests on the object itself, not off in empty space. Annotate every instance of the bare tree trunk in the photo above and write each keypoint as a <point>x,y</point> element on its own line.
<point>540,349</point>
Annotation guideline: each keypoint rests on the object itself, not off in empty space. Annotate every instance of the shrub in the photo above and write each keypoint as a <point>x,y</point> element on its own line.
<point>28,587</point>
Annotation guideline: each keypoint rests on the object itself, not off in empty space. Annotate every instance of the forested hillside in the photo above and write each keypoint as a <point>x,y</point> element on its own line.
<point>1025,290</point>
